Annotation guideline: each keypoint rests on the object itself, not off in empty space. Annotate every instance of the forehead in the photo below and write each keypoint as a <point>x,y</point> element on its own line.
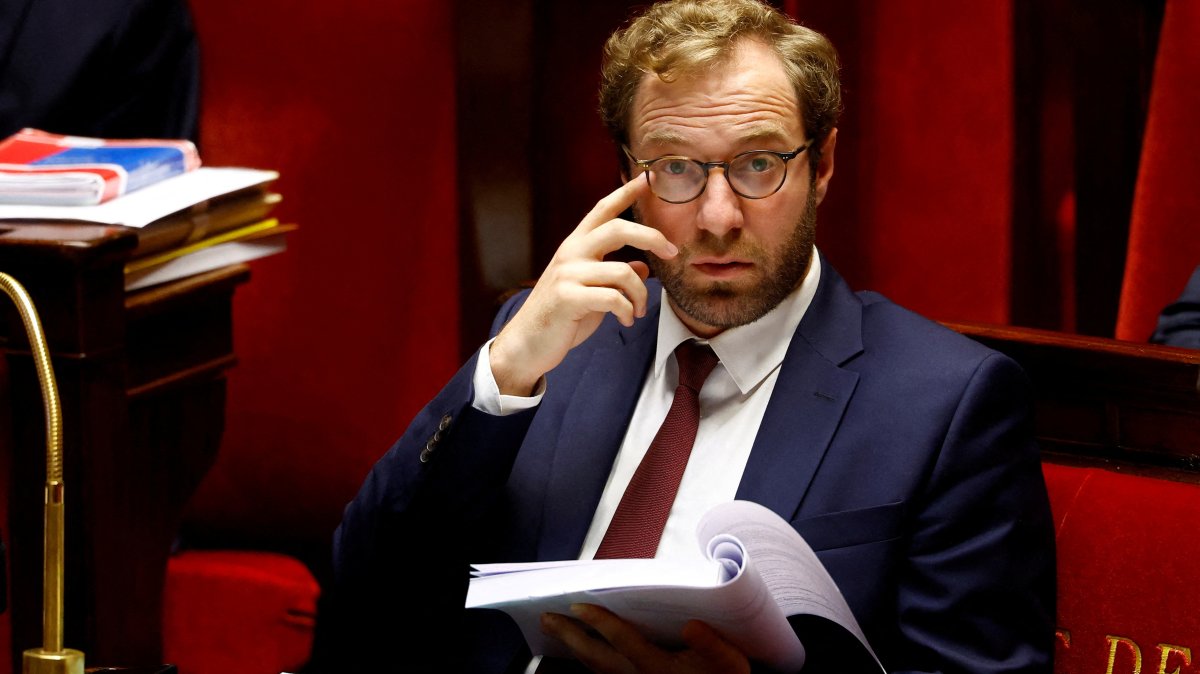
<point>745,99</point>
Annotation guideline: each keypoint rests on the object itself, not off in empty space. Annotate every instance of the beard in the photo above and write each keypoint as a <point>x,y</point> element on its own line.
<point>723,304</point>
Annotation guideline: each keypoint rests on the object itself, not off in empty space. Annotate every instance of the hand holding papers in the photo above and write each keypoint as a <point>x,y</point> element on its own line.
<point>757,572</point>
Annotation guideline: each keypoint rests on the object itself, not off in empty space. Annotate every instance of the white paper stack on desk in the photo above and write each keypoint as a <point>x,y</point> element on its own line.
<point>195,222</point>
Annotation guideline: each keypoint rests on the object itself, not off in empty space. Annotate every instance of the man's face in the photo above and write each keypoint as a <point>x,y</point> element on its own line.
<point>739,258</point>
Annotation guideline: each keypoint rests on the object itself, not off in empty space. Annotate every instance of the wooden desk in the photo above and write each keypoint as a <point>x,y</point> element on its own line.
<point>141,378</point>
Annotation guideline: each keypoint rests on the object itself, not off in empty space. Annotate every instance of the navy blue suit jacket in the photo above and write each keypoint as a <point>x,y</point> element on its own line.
<point>900,450</point>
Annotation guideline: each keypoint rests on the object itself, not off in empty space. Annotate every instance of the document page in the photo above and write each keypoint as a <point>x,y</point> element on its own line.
<point>797,580</point>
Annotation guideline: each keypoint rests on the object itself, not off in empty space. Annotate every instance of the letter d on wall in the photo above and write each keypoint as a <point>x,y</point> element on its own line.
<point>1113,643</point>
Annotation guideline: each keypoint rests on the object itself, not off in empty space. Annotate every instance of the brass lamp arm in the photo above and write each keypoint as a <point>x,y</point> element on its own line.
<point>52,658</point>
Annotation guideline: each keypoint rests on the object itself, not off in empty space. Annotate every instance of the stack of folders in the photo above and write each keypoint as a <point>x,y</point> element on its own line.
<point>226,229</point>
<point>188,224</point>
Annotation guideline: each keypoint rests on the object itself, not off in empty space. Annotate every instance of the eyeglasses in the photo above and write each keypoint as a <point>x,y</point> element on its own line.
<point>756,174</point>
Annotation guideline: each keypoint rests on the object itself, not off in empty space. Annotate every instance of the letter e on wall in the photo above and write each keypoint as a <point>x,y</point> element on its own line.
<point>1165,651</point>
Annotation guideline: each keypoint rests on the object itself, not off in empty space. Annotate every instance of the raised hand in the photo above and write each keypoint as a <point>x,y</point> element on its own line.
<point>576,290</point>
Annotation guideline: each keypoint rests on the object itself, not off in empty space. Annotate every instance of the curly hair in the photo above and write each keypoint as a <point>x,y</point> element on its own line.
<point>683,37</point>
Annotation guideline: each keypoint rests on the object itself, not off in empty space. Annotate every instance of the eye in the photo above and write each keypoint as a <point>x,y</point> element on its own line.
<point>675,167</point>
<point>761,163</point>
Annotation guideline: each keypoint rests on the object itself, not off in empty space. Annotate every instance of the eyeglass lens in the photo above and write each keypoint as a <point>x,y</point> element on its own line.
<point>754,175</point>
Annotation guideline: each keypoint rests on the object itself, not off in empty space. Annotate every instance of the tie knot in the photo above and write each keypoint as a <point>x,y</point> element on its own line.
<point>696,361</point>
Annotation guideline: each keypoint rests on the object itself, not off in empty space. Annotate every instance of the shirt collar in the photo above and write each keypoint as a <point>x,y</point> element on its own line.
<point>748,352</point>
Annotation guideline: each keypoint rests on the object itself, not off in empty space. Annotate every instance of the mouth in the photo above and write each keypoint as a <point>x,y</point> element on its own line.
<point>716,268</point>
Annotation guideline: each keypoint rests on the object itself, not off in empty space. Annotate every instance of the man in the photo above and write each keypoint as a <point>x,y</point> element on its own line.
<point>901,451</point>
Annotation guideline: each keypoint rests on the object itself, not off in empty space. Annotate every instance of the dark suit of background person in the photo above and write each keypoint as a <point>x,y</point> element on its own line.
<point>900,450</point>
<point>1179,323</point>
<point>103,68</point>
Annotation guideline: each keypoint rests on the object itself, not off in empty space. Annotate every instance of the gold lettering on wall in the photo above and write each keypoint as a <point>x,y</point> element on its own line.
<point>1064,636</point>
<point>1113,643</point>
<point>1165,651</point>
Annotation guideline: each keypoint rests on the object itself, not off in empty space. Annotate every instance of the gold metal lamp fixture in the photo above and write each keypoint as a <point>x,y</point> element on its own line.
<point>51,658</point>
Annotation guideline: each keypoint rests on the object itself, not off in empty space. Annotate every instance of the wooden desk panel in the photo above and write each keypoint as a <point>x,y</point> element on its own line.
<point>141,378</point>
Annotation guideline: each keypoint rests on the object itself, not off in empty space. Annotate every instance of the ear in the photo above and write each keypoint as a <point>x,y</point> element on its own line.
<point>622,163</point>
<point>825,165</point>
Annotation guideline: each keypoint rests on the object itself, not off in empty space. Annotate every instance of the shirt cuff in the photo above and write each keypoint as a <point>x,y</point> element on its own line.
<point>488,398</point>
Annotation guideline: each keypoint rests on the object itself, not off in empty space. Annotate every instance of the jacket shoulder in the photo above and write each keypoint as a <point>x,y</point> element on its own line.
<point>902,335</point>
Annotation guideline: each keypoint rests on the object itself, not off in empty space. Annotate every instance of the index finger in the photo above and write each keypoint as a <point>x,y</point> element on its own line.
<point>615,203</point>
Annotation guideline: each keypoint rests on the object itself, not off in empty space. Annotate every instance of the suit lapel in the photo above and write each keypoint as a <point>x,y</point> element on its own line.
<point>809,400</point>
<point>593,428</point>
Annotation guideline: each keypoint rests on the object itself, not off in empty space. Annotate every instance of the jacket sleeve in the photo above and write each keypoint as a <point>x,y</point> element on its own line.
<point>978,589</point>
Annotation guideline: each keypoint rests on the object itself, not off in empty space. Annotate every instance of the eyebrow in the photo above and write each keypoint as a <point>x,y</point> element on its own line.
<point>766,131</point>
<point>762,131</point>
<point>663,136</point>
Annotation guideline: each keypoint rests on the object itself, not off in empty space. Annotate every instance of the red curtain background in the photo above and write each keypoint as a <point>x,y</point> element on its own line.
<point>920,207</point>
<point>1164,234</point>
<point>345,336</point>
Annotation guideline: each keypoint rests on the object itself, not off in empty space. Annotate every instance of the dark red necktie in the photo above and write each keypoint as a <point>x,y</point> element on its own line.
<point>638,524</point>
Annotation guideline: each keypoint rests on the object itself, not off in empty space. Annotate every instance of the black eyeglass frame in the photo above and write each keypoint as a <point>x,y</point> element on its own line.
<point>707,166</point>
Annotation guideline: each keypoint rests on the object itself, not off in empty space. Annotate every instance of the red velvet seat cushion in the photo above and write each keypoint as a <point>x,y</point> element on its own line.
<point>238,613</point>
<point>1128,567</point>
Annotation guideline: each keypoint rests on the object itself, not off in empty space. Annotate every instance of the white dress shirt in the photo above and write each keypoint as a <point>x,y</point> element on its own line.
<point>732,403</point>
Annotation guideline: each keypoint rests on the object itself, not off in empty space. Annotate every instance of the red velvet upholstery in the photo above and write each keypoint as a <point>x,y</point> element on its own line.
<point>1164,235</point>
<point>1128,566</point>
<point>255,612</point>
<point>342,339</point>
<point>345,336</point>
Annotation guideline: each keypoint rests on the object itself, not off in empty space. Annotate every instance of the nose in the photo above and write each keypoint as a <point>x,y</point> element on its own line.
<point>720,208</point>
